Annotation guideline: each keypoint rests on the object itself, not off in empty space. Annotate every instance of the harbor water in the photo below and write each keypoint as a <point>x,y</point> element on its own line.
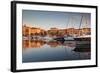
<point>53,50</point>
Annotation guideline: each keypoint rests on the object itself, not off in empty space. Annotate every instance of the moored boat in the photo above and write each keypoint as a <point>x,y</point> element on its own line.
<point>83,38</point>
<point>69,38</point>
<point>59,39</point>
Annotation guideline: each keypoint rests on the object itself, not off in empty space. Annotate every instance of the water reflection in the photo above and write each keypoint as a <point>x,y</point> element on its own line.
<point>53,43</point>
<point>42,50</point>
<point>33,43</point>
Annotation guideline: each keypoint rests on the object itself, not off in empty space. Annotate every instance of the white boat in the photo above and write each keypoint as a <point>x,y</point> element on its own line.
<point>69,38</point>
<point>47,38</point>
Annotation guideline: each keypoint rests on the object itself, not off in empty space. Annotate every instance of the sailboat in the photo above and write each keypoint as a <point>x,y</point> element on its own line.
<point>83,37</point>
<point>67,37</point>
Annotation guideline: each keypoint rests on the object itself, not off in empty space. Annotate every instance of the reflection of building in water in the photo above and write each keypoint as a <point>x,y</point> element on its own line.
<point>54,43</point>
<point>26,44</point>
<point>33,44</point>
<point>39,43</point>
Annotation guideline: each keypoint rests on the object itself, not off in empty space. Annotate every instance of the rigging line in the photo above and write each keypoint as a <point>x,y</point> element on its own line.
<point>80,22</point>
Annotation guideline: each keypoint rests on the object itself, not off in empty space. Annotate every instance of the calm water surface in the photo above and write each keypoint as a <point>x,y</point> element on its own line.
<point>40,51</point>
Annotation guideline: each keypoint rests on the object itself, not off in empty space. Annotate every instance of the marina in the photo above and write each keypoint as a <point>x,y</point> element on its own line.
<point>67,40</point>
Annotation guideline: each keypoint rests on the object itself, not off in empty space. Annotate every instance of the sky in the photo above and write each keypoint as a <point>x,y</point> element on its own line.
<point>54,19</point>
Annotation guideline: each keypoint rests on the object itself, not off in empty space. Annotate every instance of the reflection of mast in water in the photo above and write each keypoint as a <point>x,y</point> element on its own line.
<point>83,49</point>
<point>66,48</point>
<point>87,54</point>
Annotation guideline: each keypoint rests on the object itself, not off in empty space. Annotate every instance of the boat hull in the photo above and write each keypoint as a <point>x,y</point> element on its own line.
<point>59,39</point>
<point>83,39</point>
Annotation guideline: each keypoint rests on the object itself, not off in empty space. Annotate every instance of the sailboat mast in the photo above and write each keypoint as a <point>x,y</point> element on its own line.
<point>80,22</point>
<point>80,25</point>
<point>67,22</point>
